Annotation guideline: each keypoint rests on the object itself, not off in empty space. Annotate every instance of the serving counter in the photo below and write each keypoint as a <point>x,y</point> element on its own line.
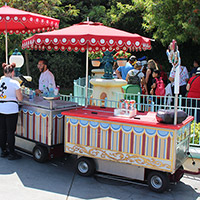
<point>40,127</point>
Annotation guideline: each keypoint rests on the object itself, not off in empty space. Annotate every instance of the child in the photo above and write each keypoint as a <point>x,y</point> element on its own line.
<point>158,87</point>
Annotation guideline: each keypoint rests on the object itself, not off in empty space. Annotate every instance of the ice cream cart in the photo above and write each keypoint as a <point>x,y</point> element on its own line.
<point>134,147</point>
<point>40,127</point>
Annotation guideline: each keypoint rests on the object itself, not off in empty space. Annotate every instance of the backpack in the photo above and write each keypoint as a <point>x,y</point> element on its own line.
<point>160,87</point>
<point>134,79</point>
<point>167,116</point>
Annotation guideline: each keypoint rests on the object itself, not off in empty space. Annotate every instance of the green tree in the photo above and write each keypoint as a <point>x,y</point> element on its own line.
<point>163,20</point>
<point>171,19</point>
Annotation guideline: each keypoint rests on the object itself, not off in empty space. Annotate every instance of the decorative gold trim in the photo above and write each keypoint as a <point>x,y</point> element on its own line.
<point>119,157</point>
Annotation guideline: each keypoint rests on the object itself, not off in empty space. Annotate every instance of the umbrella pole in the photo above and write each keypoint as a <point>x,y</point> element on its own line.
<point>86,79</point>
<point>175,109</point>
<point>6,45</point>
<point>176,92</point>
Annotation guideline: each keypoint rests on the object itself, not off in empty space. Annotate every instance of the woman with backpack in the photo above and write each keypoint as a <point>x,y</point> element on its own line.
<point>136,77</point>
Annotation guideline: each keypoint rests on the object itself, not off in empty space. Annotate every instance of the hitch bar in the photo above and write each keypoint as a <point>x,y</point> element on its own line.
<point>190,172</point>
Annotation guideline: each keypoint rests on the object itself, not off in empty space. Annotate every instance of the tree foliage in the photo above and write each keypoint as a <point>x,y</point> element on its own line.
<point>162,19</point>
<point>171,19</point>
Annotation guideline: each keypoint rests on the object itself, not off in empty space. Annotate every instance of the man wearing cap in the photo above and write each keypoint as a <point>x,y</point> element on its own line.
<point>122,71</point>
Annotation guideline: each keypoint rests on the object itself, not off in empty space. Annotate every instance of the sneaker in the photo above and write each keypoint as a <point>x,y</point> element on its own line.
<point>4,154</point>
<point>14,156</point>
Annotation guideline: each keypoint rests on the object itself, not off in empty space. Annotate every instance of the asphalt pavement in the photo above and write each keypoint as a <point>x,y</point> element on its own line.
<point>26,179</point>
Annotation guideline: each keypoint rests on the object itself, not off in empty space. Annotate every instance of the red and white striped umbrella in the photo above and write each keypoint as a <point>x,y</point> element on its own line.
<point>93,36</point>
<point>17,21</point>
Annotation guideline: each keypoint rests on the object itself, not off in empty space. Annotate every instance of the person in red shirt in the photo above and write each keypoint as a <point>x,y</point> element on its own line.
<point>194,92</point>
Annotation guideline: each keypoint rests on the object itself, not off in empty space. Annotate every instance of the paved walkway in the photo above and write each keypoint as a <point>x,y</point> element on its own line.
<point>26,179</point>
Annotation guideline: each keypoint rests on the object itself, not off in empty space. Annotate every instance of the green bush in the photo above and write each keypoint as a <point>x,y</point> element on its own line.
<point>195,133</point>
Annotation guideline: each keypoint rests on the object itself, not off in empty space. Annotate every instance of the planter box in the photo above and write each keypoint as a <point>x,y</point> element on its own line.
<point>95,62</point>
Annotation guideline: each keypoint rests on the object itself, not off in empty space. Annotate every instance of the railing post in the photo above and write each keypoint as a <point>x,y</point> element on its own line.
<point>79,81</point>
<point>106,102</point>
<point>83,99</point>
<point>70,97</point>
<point>75,87</point>
<point>89,77</point>
<point>152,106</point>
<point>138,100</point>
<point>180,98</point>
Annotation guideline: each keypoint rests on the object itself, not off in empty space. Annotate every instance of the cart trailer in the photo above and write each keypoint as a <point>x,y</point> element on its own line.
<point>138,147</point>
<point>40,127</point>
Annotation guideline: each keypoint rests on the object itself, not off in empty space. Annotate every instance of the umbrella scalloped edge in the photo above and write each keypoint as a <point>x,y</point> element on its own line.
<point>19,23</point>
<point>30,30</point>
<point>57,44</point>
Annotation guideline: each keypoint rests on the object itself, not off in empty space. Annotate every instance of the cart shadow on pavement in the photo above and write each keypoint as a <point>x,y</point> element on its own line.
<point>52,176</point>
<point>58,176</point>
<point>126,191</point>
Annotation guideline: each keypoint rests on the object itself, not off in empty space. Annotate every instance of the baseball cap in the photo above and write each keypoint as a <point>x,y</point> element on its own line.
<point>132,58</point>
<point>198,71</point>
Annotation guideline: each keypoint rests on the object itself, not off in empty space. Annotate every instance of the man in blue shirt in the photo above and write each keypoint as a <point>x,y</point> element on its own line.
<point>194,70</point>
<point>122,71</point>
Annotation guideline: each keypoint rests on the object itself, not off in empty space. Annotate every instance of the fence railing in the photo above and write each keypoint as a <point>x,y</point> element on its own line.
<point>79,89</point>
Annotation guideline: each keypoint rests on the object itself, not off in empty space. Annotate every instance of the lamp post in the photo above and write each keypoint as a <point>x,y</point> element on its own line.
<point>18,59</point>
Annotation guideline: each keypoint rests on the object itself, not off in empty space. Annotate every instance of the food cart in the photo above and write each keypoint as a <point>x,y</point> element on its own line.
<point>134,147</point>
<point>40,127</point>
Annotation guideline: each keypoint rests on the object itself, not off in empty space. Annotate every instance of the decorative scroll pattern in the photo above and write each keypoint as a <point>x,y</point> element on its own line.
<point>143,161</point>
<point>35,126</point>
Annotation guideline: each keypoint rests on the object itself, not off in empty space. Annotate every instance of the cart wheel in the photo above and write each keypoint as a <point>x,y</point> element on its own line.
<point>178,174</point>
<point>40,153</point>
<point>181,168</point>
<point>85,166</point>
<point>158,181</point>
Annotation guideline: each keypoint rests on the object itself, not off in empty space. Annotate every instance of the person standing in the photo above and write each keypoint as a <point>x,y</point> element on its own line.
<point>158,86</point>
<point>10,94</point>
<point>194,93</point>
<point>194,70</point>
<point>122,71</point>
<point>136,73</point>
<point>149,79</point>
<point>46,77</point>
<point>184,77</point>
